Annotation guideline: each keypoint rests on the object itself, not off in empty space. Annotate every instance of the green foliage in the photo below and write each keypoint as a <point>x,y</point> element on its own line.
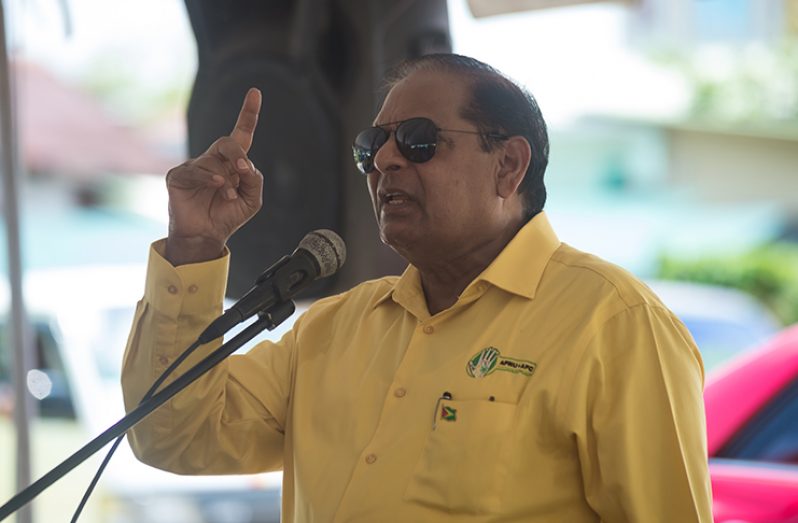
<point>769,273</point>
<point>744,83</point>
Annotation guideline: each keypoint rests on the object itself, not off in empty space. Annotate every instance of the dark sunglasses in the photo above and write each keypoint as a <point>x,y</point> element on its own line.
<point>416,139</point>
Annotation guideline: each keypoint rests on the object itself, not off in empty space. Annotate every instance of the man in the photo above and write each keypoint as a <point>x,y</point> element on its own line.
<point>503,377</point>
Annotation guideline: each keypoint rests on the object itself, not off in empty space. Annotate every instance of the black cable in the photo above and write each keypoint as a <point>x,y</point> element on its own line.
<point>113,448</point>
<point>96,478</point>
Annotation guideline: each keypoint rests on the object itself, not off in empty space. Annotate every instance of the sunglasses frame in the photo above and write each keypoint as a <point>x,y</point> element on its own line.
<point>413,152</point>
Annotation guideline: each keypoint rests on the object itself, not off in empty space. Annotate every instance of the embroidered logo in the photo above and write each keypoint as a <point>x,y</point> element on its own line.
<point>448,413</point>
<point>490,359</point>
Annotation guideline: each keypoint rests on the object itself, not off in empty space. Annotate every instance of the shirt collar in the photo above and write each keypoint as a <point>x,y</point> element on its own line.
<point>517,269</point>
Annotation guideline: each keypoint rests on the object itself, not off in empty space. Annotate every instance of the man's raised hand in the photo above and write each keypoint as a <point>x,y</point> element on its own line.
<point>211,196</point>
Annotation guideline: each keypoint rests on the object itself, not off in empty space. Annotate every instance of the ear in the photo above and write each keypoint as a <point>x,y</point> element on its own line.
<point>513,163</point>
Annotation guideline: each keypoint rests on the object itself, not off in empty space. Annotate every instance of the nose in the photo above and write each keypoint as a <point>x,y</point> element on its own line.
<point>388,158</point>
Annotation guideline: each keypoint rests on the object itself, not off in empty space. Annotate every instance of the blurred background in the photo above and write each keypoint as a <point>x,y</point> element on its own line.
<point>674,153</point>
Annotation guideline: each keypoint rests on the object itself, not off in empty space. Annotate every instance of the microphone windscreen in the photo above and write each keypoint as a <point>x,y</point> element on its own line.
<point>327,248</point>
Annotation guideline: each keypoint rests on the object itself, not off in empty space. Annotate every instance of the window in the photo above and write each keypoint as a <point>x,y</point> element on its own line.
<point>772,434</point>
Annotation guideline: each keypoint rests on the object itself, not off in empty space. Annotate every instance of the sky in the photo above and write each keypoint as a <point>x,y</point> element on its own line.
<point>151,36</point>
<point>575,60</point>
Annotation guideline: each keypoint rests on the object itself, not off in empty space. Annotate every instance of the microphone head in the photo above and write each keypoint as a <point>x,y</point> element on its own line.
<point>327,248</point>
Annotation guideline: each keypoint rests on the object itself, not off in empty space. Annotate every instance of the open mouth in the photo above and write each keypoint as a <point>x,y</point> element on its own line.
<point>394,198</point>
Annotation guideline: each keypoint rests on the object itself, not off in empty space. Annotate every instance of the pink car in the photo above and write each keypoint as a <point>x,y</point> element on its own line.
<point>752,430</point>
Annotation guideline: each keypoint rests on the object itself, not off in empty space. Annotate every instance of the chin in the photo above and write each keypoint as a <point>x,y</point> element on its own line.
<point>397,239</point>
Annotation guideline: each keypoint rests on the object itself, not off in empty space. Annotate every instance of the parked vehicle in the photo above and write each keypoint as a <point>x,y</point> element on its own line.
<point>724,322</point>
<point>81,318</point>
<point>752,431</point>
<point>751,397</point>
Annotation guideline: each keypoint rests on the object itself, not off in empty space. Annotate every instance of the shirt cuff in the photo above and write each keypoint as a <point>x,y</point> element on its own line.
<point>191,289</point>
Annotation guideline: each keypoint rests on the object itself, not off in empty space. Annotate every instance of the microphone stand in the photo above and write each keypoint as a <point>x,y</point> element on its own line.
<point>266,320</point>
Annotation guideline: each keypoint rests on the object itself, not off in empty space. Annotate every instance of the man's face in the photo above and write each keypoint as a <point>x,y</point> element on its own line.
<point>447,206</point>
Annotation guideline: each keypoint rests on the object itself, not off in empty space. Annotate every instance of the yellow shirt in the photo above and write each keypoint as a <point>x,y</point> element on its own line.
<point>557,388</point>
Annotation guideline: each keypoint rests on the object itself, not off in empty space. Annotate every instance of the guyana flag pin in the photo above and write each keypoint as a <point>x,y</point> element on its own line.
<point>448,413</point>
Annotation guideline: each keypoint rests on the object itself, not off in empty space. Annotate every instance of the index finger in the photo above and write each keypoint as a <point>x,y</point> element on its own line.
<point>247,119</point>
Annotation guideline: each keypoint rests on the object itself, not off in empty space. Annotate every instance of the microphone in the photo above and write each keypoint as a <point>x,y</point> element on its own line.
<point>320,254</point>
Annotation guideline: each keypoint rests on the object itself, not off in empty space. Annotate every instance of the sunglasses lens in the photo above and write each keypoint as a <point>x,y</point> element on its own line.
<point>366,145</point>
<point>417,139</point>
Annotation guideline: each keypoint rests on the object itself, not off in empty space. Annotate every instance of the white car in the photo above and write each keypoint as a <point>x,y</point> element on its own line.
<point>82,317</point>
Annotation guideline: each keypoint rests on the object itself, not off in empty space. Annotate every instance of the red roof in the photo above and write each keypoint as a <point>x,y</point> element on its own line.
<point>64,131</point>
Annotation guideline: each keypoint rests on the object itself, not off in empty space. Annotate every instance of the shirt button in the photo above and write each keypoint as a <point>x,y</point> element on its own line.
<point>172,289</point>
<point>400,392</point>
<point>163,360</point>
<point>371,458</point>
<point>428,329</point>
<point>192,289</point>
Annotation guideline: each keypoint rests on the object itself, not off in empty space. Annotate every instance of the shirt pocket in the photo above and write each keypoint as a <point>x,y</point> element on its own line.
<point>464,462</point>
